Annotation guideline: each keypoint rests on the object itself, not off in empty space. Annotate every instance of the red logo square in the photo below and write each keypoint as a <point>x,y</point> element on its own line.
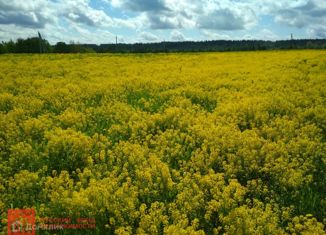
<point>21,222</point>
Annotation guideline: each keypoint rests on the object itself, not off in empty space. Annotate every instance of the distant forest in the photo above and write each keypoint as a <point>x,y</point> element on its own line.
<point>39,45</point>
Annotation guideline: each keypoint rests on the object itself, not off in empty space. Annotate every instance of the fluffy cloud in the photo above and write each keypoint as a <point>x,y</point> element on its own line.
<point>60,20</point>
<point>266,34</point>
<point>225,15</point>
<point>28,19</point>
<point>38,13</point>
<point>25,13</point>
<point>172,14</point>
<point>213,35</point>
<point>215,19</point>
<point>263,34</point>
<point>318,31</point>
<point>80,12</point>
<point>307,13</point>
<point>222,19</point>
<point>148,37</point>
<point>140,5</point>
<point>177,36</point>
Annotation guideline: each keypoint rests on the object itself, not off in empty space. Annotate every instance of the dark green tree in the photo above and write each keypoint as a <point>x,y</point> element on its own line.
<point>61,47</point>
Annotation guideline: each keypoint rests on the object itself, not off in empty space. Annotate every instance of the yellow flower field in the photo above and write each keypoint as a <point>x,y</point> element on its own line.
<point>206,143</point>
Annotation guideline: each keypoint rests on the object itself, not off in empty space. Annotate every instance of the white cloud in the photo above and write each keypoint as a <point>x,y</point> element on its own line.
<point>137,23</point>
<point>171,14</point>
<point>38,13</point>
<point>317,31</point>
<point>266,34</point>
<point>62,20</point>
<point>32,14</point>
<point>140,5</point>
<point>148,37</point>
<point>216,19</point>
<point>80,12</point>
<point>213,35</point>
<point>307,14</point>
<point>177,36</point>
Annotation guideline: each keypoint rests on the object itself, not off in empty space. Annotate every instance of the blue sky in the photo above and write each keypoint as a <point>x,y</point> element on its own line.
<point>100,21</point>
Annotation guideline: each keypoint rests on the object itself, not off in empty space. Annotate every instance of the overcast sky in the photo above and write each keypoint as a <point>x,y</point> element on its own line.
<point>99,21</point>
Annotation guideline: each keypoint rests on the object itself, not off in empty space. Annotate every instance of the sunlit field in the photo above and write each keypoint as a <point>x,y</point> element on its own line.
<point>207,143</point>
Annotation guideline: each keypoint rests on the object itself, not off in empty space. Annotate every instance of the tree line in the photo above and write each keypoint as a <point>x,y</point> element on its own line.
<point>37,45</point>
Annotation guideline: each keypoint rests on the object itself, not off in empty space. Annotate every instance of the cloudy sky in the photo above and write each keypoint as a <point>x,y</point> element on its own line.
<point>99,21</point>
